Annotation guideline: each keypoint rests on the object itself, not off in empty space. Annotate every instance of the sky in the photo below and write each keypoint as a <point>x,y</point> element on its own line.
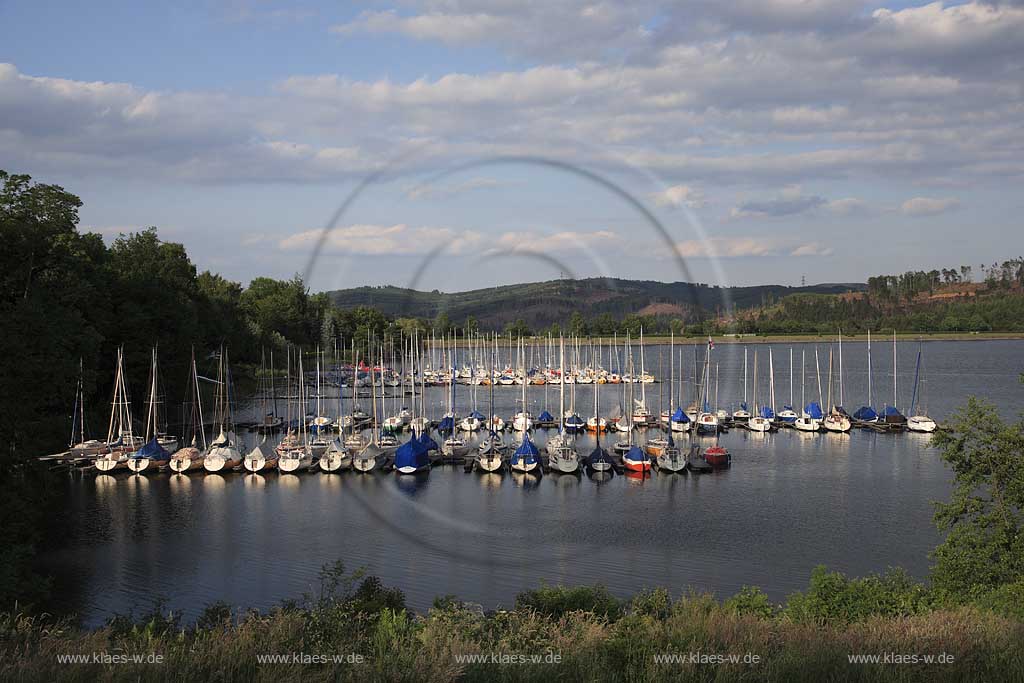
<point>455,144</point>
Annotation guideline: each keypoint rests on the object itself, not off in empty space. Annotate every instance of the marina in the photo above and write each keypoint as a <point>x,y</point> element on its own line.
<point>434,532</point>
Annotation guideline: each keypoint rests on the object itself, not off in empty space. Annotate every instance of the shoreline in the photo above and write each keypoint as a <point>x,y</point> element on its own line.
<point>780,338</point>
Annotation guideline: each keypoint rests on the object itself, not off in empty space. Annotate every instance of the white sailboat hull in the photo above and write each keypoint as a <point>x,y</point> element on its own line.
<point>921,423</point>
<point>807,424</point>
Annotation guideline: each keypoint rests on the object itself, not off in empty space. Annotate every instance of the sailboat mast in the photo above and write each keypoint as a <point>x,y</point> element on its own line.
<point>791,377</point>
<point>869,368</point>
<point>894,367</point>
<point>561,386</point>
<point>803,379</point>
<point>744,374</point>
<point>841,402</point>
<point>817,372</point>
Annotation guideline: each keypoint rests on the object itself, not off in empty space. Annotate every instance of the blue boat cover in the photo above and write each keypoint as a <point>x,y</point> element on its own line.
<point>743,406</point>
<point>478,415</point>
<point>526,452</point>
<point>412,453</point>
<point>427,443</point>
<point>598,455</point>
<point>636,454</point>
<point>546,417</point>
<point>152,450</point>
<point>447,424</point>
<point>865,413</point>
<point>680,416</point>
<point>891,411</point>
<point>767,412</point>
<point>813,411</point>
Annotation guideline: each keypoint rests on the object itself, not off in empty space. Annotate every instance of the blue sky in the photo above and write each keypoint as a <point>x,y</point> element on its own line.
<point>832,139</point>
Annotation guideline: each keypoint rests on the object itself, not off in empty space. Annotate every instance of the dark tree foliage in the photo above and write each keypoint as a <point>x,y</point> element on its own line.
<point>984,546</point>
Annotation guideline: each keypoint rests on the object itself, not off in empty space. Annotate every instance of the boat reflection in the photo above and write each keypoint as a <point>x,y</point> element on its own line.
<point>410,484</point>
<point>490,480</point>
<point>288,482</point>
<point>527,481</point>
<point>254,481</point>
<point>179,483</point>
<point>213,482</point>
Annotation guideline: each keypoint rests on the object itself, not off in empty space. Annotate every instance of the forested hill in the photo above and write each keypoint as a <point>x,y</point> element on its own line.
<point>541,304</point>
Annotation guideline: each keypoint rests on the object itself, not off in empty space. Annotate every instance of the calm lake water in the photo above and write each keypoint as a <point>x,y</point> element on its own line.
<point>858,503</point>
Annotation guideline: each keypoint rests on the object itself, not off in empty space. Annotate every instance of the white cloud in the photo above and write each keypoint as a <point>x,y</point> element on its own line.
<point>728,247</point>
<point>434,191</point>
<point>384,240</point>
<point>791,201</point>
<point>568,240</point>
<point>847,206</point>
<point>811,249</point>
<point>929,206</point>
<point>679,195</point>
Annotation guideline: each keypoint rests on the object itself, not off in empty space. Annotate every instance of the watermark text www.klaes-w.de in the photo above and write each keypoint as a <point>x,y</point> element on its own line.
<point>901,658</point>
<point>509,658</point>
<point>312,658</point>
<point>110,658</point>
<point>701,657</point>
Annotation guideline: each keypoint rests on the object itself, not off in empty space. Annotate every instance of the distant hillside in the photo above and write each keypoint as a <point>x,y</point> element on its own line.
<point>539,304</point>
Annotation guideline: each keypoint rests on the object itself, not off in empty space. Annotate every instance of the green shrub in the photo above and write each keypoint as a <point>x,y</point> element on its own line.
<point>1007,600</point>
<point>556,601</point>
<point>750,600</point>
<point>833,597</point>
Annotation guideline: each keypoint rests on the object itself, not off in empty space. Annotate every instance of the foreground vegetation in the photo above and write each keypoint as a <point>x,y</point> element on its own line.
<point>581,634</point>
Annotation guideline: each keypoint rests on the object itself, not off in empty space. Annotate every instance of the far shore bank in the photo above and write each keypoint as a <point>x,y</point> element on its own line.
<point>791,338</point>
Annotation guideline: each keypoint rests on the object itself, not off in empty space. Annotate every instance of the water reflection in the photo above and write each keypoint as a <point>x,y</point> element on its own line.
<point>791,500</point>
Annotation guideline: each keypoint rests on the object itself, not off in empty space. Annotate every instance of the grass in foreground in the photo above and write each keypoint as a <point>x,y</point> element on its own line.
<point>554,633</point>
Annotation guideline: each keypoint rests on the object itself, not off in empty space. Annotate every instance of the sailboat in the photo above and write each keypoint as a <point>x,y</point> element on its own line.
<point>757,422</point>
<point>223,455</point>
<point>413,456</point>
<point>866,413</point>
<point>367,459</point>
<point>641,414</point>
<point>120,439</point>
<point>787,415</point>
<point>338,456</point>
<point>919,420</point>
<point>707,419</point>
<point>491,453</point>
<point>191,456</point>
<point>523,420</point>
<point>157,447</point>
<point>80,447</point>
<point>293,452</point>
<point>262,457</point>
<point>599,461</point>
<point>743,413</point>
<point>806,422</point>
<point>836,420</point>
<point>562,455</point>
<point>526,457</point>
<point>634,458</point>
<point>891,415</point>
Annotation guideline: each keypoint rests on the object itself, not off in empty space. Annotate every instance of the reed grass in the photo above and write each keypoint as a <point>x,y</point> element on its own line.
<point>596,637</point>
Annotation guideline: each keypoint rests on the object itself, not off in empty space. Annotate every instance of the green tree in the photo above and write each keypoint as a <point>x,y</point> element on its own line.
<point>984,520</point>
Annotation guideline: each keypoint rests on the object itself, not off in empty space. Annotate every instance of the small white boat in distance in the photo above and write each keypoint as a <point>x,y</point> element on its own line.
<point>759,424</point>
<point>336,458</point>
<point>294,459</point>
<point>807,424</point>
<point>836,422</point>
<point>222,455</point>
<point>921,423</point>
<point>258,459</point>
